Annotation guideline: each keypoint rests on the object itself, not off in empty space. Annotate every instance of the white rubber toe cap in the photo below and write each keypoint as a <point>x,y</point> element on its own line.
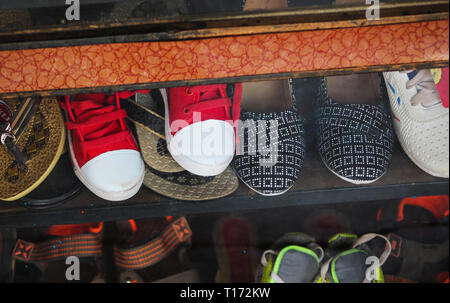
<point>205,148</point>
<point>115,175</point>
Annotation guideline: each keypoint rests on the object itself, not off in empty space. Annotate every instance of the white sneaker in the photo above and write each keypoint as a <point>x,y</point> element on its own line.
<point>421,122</point>
<point>199,126</point>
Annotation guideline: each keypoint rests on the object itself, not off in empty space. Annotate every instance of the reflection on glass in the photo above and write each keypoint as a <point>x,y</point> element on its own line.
<point>25,14</point>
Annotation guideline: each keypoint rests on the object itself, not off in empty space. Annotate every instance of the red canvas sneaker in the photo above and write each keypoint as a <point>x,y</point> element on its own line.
<point>102,148</point>
<point>200,126</point>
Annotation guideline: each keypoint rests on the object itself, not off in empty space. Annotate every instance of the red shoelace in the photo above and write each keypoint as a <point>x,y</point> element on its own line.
<point>212,101</point>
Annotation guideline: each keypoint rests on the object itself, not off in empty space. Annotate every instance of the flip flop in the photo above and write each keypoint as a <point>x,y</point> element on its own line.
<point>60,185</point>
<point>41,142</point>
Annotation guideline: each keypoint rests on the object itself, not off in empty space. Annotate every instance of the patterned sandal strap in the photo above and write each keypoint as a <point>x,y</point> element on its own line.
<point>83,245</point>
<point>145,117</point>
<point>157,249</point>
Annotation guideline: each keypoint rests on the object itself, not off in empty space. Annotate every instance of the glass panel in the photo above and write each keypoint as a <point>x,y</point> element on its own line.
<point>34,14</point>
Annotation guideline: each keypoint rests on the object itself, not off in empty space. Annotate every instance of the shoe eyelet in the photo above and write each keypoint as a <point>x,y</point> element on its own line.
<point>189,92</point>
<point>186,110</point>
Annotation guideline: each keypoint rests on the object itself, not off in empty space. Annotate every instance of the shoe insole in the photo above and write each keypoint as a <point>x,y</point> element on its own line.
<point>354,89</point>
<point>266,96</point>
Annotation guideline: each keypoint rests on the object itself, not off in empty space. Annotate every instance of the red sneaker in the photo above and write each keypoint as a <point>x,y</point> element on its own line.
<point>200,126</point>
<point>102,148</point>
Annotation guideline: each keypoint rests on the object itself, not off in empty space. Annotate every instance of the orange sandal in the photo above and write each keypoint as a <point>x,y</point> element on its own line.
<point>47,260</point>
<point>148,245</point>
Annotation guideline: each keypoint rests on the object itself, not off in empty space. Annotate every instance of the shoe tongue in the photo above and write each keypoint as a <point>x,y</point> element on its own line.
<point>210,94</point>
<point>296,264</point>
<point>349,267</point>
<point>412,74</point>
<point>85,110</point>
<point>215,113</point>
<point>432,95</point>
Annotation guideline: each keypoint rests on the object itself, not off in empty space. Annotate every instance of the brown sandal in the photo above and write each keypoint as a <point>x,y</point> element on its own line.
<point>40,139</point>
<point>48,260</point>
<point>152,245</point>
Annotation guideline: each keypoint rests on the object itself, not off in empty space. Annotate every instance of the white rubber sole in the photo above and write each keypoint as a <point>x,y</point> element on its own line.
<point>261,193</point>
<point>269,195</point>
<point>189,165</point>
<point>356,182</point>
<point>110,196</point>
<point>432,173</point>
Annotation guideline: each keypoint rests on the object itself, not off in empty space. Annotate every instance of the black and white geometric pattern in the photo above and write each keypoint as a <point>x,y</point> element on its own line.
<point>275,172</point>
<point>355,141</point>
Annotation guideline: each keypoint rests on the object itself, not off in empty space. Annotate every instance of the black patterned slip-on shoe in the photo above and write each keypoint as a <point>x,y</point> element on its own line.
<point>271,150</point>
<point>355,141</point>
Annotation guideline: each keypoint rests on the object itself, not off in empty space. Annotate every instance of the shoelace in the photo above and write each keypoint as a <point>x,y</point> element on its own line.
<point>200,105</point>
<point>112,113</point>
<point>225,101</point>
<point>427,93</point>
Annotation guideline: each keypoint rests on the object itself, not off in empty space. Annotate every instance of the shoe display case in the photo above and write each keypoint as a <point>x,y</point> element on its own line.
<point>132,45</point>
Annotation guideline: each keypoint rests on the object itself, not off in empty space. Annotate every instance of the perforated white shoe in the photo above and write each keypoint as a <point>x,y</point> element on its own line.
<point>421,121</point>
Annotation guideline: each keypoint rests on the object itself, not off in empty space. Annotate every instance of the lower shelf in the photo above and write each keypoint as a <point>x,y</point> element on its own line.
<point>316,186</point>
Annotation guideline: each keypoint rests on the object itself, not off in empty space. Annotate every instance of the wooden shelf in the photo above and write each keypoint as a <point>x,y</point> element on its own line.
<point>221,48</point>
<point>63,60</point>
<point>316,186</point>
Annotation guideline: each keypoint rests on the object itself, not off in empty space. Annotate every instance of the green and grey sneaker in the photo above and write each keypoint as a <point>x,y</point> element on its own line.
<point>294,258</point>
<point>349,259</point>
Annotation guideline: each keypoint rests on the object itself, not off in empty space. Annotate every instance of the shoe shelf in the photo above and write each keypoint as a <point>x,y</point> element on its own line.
<point>105,56</point>
<point>183,50</point>
<point>316,186</point>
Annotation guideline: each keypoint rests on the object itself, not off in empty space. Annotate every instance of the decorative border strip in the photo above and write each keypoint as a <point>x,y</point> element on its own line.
<point>192,60</point>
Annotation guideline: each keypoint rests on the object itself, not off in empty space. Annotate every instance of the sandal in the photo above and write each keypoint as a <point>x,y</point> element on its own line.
<point>47,259</point>
<point>150,245</point>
